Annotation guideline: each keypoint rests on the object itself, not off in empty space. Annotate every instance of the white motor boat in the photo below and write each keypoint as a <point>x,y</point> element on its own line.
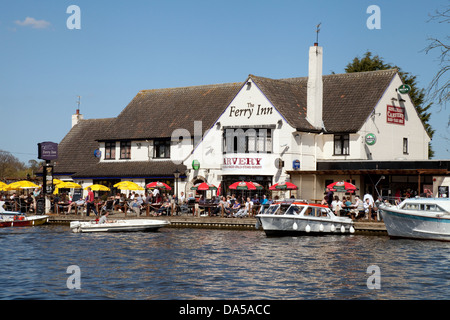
<point>418,218</point>
<point>118,225</point>
<point>297,217</point>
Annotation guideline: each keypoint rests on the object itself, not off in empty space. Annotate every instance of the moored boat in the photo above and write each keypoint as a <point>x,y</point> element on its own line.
<point>118,225</point>
<point>418,218</point>
<point>18,219</point>
<point>297,217</point>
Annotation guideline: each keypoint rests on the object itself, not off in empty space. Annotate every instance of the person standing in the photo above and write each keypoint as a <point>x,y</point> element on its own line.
<point>330,195</point>
<point>90,202</point>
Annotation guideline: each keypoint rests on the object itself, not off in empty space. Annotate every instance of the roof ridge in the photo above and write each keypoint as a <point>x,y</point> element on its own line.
<point>216,85</point>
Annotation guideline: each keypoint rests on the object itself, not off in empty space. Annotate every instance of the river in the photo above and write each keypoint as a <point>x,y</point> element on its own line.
<point>51,263</point>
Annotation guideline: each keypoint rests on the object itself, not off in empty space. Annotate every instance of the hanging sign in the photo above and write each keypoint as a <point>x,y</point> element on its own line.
<point>195,164</point>
<point>370,139</point>
<point>47,151</point>
<point>404,88</point>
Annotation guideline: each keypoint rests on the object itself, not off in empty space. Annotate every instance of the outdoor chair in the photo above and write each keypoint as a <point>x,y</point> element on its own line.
<point>107,207</point>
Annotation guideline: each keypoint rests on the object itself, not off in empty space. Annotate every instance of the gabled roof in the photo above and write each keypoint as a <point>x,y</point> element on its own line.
<point>157,113</point>
<point>76,150</point>
<point>348,98</point>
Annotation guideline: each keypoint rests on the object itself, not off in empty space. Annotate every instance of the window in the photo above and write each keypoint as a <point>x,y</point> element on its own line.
<point>341,144</point>
<point>161,149</point>
<point>405,145</point>
<point>253,140</point>
<point>110,150</point>
<point>125,150</point>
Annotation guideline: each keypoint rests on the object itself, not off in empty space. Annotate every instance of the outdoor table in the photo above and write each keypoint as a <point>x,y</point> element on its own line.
<point>208,206</point>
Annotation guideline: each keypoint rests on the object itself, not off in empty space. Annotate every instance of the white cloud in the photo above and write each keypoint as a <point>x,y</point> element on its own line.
<point>32,22</point>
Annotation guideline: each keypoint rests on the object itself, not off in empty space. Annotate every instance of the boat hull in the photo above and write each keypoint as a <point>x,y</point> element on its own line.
<point>415,226</point>
<point>274,225</point>
<point>26,222</point>
<point>118,226</point>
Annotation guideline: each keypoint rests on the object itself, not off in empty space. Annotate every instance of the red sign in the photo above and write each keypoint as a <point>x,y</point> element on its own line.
<point>395,115</point>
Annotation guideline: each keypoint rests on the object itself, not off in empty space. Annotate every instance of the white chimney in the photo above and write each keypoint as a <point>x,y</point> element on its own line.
<point>315,87</point>
<point>76,117</point>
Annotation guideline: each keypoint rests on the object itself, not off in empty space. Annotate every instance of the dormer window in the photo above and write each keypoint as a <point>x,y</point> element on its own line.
<point>110,150</point>
<point>125,150</point>
<point>341,144</point>
<point>161,148</point>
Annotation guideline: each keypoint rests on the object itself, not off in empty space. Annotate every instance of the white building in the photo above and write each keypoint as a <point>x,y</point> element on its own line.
<point>309,130</point>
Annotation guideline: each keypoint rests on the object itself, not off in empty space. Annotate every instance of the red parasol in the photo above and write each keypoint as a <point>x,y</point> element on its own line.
<point>159,185</point>
<point>283,186</point>
<point>242,185</point>
<point>342,186</point>
<point>203,186</point>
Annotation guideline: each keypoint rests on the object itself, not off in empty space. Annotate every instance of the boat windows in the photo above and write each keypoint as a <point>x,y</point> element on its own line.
<point>272,209</point>
<point>423,207</point>
<point>294,210</point>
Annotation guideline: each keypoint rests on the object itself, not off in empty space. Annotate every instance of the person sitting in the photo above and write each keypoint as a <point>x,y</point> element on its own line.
<point>164,207</point>
<point>103,219</point>
<point>136,207</point>
<point>243,212</point>
<point>76,204</point>
<point>235,208</point>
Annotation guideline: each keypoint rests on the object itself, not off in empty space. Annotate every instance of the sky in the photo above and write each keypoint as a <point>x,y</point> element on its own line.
<point>123,47</point>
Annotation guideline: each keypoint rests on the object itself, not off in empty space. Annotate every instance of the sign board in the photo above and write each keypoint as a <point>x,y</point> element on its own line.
<point>395,115</point>
<point>404,88</point>
<point>47,181</point>
<point>296,164</point>
<point>370,139</point>
<point>249,163</point>
<point>97,153</point>
<point>47,151</point>
<point>195,164</point>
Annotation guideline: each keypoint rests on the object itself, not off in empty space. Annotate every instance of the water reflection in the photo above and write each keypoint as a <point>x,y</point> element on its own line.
<point>217,264</point>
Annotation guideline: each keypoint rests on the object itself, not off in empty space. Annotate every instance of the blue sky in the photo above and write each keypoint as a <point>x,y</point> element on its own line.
<point>126,46</point>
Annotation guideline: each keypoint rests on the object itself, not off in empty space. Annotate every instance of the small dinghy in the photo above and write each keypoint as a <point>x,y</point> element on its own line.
<point>118,225</point>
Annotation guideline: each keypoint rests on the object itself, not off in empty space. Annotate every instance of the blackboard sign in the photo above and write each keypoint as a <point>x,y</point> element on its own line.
<point>40,206</point>
<point>77,194</point>
<point>443,191</point>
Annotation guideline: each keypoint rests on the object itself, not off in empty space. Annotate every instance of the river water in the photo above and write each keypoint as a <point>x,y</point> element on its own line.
<point>184,263</point>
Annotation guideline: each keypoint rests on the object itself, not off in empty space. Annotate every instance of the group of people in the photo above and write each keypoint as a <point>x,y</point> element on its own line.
<point>362,208</point>
<point>239,207</point>
<point>23,203</point>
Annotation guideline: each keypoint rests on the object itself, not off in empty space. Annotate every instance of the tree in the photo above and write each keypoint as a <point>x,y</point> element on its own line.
<point>417,95</point>
<point>438,90</point>
<point>10,166</point>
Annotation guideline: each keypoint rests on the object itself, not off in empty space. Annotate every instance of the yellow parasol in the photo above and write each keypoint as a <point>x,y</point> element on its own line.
<point>68,185</point>
<point>98,187</point>
<point>128,185</point>
<point>23,184</point>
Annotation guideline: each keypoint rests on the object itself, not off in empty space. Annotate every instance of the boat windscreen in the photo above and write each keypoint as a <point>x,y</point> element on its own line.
<point>272,209</point>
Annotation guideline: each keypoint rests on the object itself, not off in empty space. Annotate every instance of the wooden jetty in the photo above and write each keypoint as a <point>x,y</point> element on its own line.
<point>185,221</point>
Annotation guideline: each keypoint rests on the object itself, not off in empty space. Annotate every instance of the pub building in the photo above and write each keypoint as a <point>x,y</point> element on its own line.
<point>311,131</point>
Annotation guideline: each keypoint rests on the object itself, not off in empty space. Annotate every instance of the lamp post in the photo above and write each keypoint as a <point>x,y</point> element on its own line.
<point>176,175</point>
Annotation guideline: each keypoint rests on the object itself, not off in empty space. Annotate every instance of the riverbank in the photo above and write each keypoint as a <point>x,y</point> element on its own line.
<point>188,221</point>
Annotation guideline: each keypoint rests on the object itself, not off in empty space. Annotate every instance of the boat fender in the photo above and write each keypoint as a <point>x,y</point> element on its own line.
<point>321,228</point>
<point>342,229</point>
<point>352,230</point>
<point>295,226</point>
<point>332,228</point>
<point>307,228</point>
